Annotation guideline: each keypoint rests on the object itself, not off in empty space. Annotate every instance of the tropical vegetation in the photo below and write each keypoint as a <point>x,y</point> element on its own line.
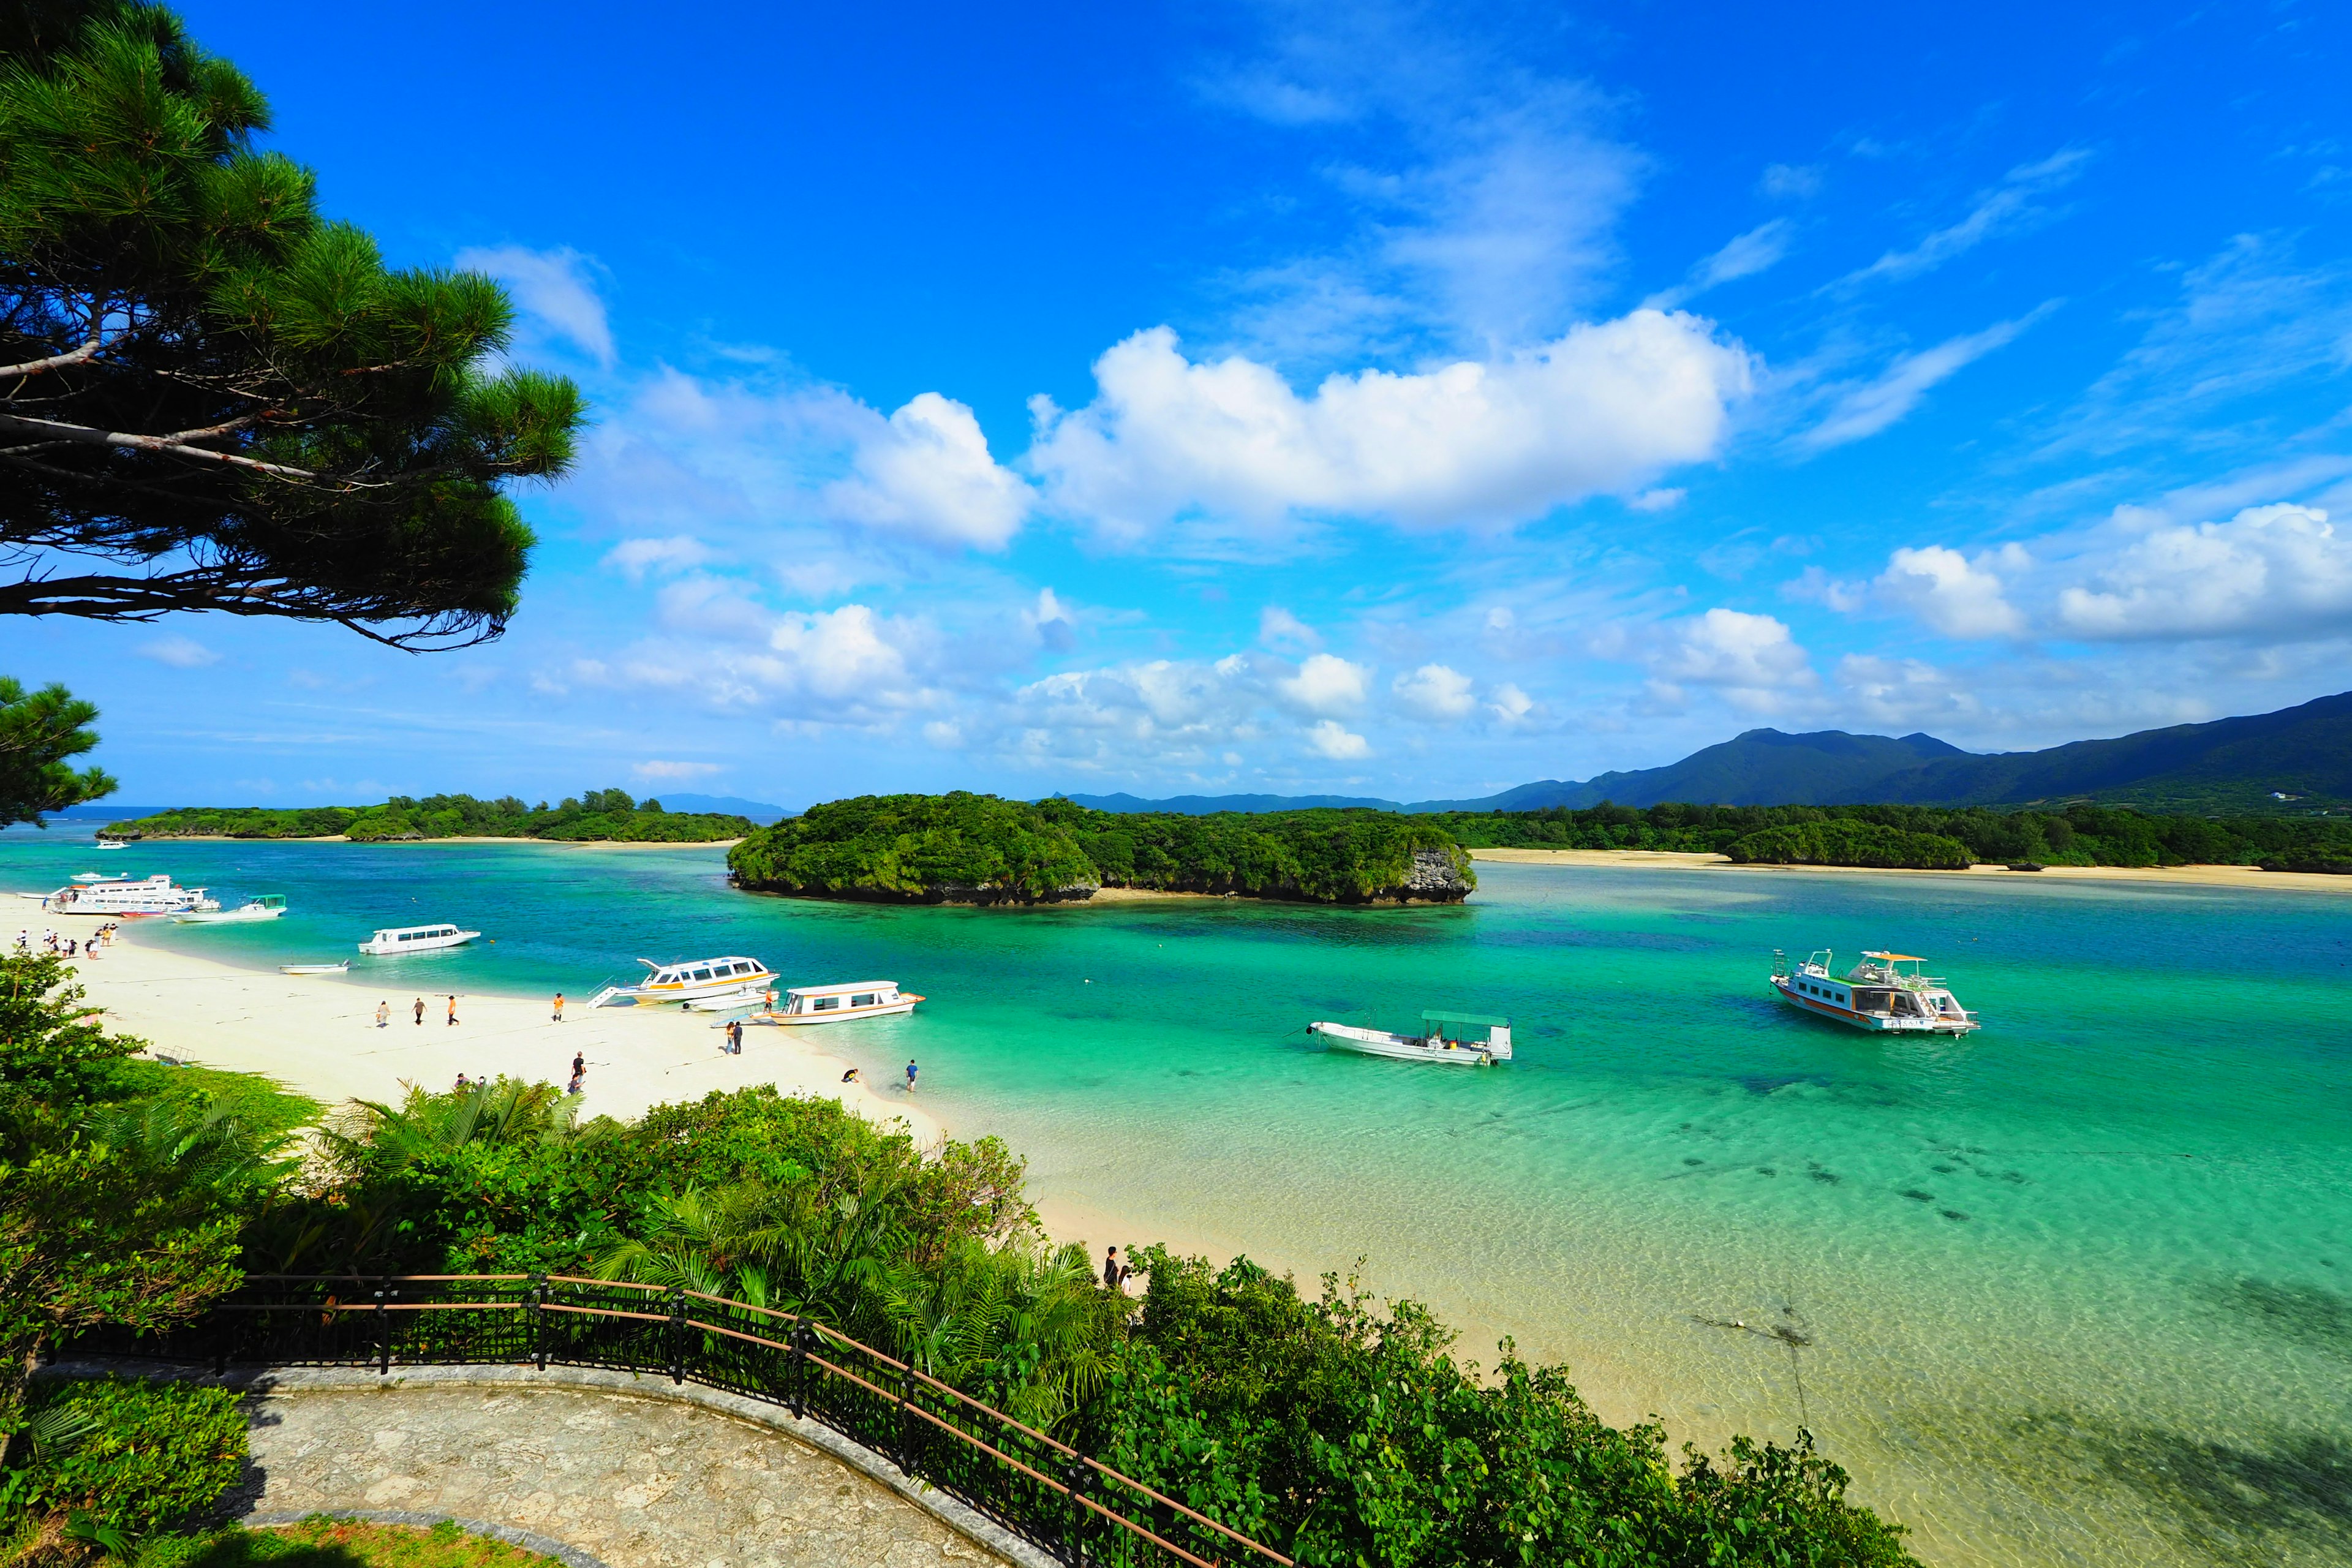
<point>1338,1429</point>
<point>978,849</point>
<point>39,731</point>
<point>598,816</point>
<point>1922,835</point>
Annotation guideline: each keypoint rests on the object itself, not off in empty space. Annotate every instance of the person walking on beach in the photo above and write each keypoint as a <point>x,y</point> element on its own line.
<point>559,1006</point>
<point>453,1008</point>
<point>1115,1273</point>
<point>420,1011</point>
<point>910,1076</point>
<point>735,1037</point>
<point>382,1014</point>
<point>579,1071</point>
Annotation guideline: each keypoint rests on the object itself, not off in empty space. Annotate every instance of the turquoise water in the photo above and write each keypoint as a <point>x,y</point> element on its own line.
<point>2075,1289</point>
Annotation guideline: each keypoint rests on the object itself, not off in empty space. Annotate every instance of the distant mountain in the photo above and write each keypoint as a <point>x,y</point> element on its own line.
<point>1205,804</point>
<point>727,805</point>
<point>1762,767</point>
<point>2225,765</point>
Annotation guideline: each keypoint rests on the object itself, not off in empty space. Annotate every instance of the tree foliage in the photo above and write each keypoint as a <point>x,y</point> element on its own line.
<point>211,396</point>
<point>977,848</point>
<point>597,815</point>
<point>39,730</point>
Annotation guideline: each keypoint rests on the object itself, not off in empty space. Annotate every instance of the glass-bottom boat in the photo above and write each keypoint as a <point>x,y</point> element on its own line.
<point>1886,992</point>
<point>1455,1039</point>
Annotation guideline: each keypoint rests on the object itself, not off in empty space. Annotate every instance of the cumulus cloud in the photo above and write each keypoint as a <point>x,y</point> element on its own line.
<point>1958,597</point>
<point>1751,660</point>
<point>553,289</point>
<point>1434,691</point>
<point>636,557</point>
<point>1868,408</point>
<point>180,653</point>
<point>1604,408</point>
<point>1510,705</point>
<point>1277,627</point>
<point>2271,571</point>
<point>927,471</point>
<point>1340,744</point>
<point>1326,684</point>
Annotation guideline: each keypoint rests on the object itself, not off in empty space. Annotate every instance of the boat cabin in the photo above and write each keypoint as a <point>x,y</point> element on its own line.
<point>1474,1029</point>
<point>858,997</point>
<point>394,936</point>
<point>705,972</point>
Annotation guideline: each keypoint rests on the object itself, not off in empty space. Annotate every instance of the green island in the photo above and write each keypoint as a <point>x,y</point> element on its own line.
<point>595,816</point>
<point>1337,1428</point>
<point>1922,837</point>
<point>980,850</point>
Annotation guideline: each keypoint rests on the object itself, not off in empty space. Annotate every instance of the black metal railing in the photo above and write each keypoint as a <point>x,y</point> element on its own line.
<point>1081,1510</point>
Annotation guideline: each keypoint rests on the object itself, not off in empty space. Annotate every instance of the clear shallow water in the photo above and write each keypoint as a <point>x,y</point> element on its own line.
<point>2076,1290</point>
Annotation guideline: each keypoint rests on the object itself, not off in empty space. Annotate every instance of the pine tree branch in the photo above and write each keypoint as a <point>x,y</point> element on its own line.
<point>84,435</point>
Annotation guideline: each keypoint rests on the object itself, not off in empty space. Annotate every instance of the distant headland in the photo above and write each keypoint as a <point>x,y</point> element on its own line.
<point>595,816</point>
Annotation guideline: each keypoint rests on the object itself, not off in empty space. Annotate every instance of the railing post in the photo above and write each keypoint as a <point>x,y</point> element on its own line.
<point>801,1335</point>
<point>384,1330</point>
<point>538,1321</point>
<point>905,1455</point>
<point>677,1334</point>
<point>1074,1475</point>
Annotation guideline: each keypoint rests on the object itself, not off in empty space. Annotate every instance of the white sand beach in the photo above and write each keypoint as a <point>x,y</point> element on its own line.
<point>317,1034</point>
<point>2185,876</point>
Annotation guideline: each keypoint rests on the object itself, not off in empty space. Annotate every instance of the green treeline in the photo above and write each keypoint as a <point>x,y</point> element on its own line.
<point>1333,1429</point>
<point>598,816</point>
<point>1927,836</point>
<point>978,849</point>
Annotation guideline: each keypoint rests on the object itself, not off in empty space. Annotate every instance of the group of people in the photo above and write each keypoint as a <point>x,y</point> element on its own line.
<point>417,1011</point>
<point>67,946</point>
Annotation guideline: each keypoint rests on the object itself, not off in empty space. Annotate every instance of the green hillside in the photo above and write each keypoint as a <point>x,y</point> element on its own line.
<point>597,815</point>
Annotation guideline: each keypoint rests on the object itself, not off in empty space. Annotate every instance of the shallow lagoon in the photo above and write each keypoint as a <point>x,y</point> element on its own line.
<point>2076,1290</point>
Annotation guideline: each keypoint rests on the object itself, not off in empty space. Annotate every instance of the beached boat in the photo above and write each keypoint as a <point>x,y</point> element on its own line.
<point>1455,1039</point>
<point>735,1001</point>
<point>395,939</point>
<point>695,980</point>
<point>342,968</point>
<point>155,895</point>
<point>1884,992</point>
<point>267,907</point>
<point>840,1003</point>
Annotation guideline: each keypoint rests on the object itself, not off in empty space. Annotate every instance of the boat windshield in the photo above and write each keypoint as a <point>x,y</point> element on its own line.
<point>1460,1026</point>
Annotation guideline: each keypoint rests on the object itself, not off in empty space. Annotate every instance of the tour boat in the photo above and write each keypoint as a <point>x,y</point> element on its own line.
<point>1455,1039</point>
<point>114,844</point>
<point>342,968</point>
<point>156,895</point>
<point>1886,990</point>
<point>840,1003</point>
<point>696,980</point>
<point>267,907</point>
<point>86,877</point>
<point>396,940</point>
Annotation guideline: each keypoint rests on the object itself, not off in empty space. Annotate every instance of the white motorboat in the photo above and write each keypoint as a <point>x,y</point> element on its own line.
<point>1878,993</point>
<point>342,968</point>
<point>735,1001</point>
<point>392,941</point>
<point>840,1003</point>
<point>1454,1039</point>
<point>114,844</point>
<point>155,895</point>
<point>695,980</point>
<point>267,907</point>
<point>86,877</point>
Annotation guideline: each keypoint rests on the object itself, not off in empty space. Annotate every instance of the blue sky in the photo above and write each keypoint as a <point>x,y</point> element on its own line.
<point>1401,401</point>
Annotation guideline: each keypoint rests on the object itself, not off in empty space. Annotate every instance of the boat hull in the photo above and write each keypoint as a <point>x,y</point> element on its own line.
<point>432,945</point>
<point>1406,1048</point>
<point>839,1015</point>
<point>1870,1023</point>
<point>342,968</point>
<point>226,917</point>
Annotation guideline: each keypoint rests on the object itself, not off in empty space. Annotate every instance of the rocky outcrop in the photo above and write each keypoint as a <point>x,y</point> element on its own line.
<point>1438,876</point>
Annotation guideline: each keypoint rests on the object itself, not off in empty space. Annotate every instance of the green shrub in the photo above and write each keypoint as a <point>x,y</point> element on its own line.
<point>1850,844</point>
<point>136,1456</point>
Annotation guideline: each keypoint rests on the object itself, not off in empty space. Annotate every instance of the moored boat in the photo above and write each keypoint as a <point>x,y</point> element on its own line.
<point>839,1003</point>
<point>155,895</point>
<point>114,844</point>
<point>267,907</point>
<point>1886,992</point>
<point>694,980</point>
<point>393,941</point>
<point>342,968</point>
<point>1453,1039</point>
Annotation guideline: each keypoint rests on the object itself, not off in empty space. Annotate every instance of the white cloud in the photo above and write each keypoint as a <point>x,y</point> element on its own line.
<point>2006,208</point>
<point>1752,660</point>
<point>1743,256</point>
<point>675,773</point>
<point>1435,691</point>
<point>941,732</point>
<point>849,656</point>
<point>1657,499</point>
<point>1604,408</point>
<point>927,471</point>
<point>1867,409</point>
<point>636,557</point>
<point>1790,181</point>
<point>2273,572</point>
<point>1957,598</point>
<point>1277,627</point>
<point>1326,684</point>
<point>1510,704</point>
<point>553,288</point>
<point>1906,693</point>
<point>180,653</point>
<point>1337,743</point>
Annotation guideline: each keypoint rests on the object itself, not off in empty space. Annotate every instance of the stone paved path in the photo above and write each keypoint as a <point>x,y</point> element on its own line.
<point>638,1482</point>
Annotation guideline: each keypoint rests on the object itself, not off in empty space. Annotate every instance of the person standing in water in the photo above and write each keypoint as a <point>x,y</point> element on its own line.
<point>910,1076</point>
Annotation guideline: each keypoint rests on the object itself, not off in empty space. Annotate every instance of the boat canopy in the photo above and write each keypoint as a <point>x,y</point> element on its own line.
<point>1481,1020</point>
<point>1897,957</point>
<point>843,989</point>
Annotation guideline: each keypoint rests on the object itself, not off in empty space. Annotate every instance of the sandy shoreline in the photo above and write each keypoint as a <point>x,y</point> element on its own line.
<point>2179,876</point>
<point>317,1034</point>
